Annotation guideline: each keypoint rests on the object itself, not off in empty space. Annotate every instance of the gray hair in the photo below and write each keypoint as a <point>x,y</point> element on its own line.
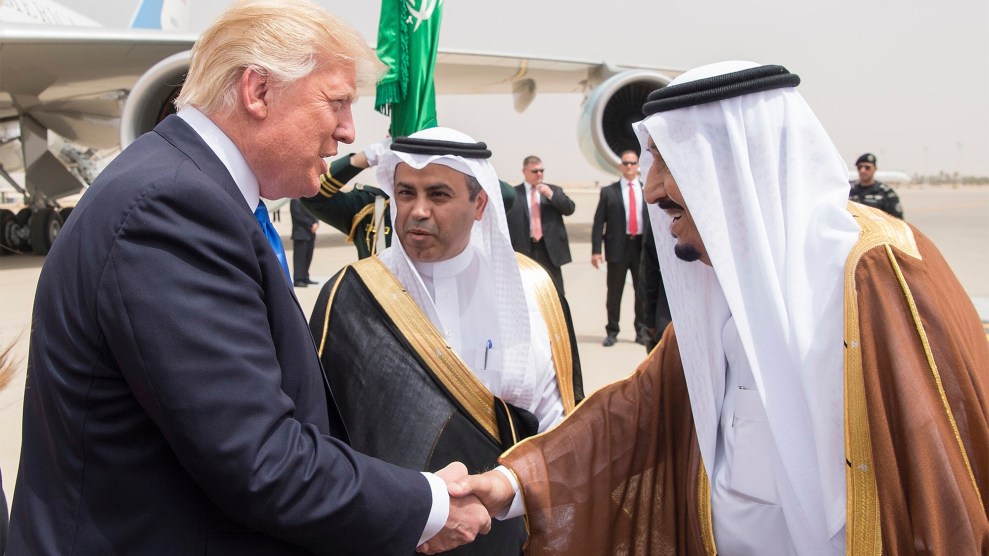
<point>473,186</point>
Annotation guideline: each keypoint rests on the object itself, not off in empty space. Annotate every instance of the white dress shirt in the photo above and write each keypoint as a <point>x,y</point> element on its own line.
<point>638,203</point>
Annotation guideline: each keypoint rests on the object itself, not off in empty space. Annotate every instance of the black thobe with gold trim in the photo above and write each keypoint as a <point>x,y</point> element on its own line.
<point>407,398</point>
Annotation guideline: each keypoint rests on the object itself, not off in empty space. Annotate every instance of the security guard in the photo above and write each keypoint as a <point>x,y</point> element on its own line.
<point>868,191</point>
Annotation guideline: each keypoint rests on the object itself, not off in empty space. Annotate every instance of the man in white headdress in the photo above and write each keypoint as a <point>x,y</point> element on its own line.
<point>826,388</point>
<point>446,347</point>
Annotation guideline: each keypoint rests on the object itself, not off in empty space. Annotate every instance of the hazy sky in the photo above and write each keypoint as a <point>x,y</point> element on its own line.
<point>907,80</point>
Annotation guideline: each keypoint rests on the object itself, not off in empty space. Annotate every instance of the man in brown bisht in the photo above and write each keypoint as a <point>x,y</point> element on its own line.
<point>825,386</point>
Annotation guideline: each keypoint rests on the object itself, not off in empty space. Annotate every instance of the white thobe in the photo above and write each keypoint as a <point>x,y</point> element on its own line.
<point>745,508</point>
<point>464,299</point>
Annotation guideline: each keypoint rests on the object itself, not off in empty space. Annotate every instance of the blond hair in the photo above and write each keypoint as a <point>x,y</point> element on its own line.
<point>281,39</point>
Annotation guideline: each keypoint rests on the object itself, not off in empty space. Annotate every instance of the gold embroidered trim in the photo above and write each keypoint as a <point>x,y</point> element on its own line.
<point>704,509</point>
<point>879,228</point>
<point>439,357</point>
<point>933,366</point>
<point>329,185</point>
<point>327,191</point>
<point>863,530</point>
<point>511,424</point>
<point>356,222</point>
<point>556,324</point>
<point>329,305</point>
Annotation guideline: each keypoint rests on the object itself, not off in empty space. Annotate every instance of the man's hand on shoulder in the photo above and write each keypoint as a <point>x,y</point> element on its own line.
<point>467,518</point>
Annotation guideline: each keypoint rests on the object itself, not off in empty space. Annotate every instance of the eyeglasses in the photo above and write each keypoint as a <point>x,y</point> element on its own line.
<point>537,170</point>
<point>627,163</point>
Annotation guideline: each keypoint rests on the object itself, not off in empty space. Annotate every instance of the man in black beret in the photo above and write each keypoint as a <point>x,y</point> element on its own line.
<point>871,192</point>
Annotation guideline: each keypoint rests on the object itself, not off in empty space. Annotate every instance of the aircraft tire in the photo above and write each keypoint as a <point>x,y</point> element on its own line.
<point>45,225</point>
<point>8,238</point>
<point>23,216</point>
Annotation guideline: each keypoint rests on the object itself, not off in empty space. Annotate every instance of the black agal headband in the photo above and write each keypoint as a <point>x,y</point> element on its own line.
<point>435,146</point>
<point>719,87</point>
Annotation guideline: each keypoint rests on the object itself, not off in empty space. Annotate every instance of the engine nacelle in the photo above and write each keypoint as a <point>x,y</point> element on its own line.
<point>605,126</point>
<point>153,96</point>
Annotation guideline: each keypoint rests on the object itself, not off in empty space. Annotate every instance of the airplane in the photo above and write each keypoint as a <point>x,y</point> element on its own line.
<point>101,88</point>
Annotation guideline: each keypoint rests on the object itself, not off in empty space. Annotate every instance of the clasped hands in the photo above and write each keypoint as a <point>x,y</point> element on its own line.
<point>474,499</point>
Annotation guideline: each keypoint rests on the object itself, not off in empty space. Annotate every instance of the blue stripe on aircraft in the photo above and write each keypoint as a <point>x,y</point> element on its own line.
<point>148,15</point>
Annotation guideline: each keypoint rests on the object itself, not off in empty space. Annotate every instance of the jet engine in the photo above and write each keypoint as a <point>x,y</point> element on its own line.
<point>152,97</point>
<point>604,129</point>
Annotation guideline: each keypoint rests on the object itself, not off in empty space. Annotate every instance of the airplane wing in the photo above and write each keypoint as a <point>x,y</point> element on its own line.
<point>74,80</point>
<point>99,88</point>
<point>465,72</point>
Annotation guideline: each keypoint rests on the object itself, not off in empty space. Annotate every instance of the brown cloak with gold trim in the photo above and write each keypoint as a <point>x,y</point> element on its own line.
<point>622,475</point>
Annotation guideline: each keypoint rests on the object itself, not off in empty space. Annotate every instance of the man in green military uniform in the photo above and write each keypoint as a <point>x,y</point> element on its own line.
<point>361,212</point>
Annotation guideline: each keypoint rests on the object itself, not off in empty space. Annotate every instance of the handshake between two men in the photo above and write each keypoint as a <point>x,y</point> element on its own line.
<point>474,500</point>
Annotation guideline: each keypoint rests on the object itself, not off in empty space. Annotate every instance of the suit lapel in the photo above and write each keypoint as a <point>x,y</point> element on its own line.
<point>617,186</point>
<point>520,192</point>
<point>174,130</point>
<point>181,135</point>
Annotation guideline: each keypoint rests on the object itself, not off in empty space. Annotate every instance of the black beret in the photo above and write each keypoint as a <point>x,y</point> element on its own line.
<point>867,157</point>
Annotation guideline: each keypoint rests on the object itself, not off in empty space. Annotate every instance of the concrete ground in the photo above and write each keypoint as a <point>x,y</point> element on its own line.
<point>955,218</point>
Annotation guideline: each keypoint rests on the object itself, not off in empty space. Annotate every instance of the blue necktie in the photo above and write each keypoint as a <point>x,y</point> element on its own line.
<point>261,213</point>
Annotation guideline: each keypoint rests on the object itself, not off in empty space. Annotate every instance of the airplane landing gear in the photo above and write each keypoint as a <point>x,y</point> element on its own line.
<point>44,225</point>
<point>9,239</point>
<point>29,231</point>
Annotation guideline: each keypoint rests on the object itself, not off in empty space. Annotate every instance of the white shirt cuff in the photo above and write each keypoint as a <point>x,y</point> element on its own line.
<point>517,507</point>
<point>440,509</point>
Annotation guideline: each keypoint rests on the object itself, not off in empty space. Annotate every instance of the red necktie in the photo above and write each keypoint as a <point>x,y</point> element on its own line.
<point>633,217</point>
<point>535,219</point>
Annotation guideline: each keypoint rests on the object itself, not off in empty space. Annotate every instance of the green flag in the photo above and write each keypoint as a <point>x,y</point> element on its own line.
<point>408,33</point>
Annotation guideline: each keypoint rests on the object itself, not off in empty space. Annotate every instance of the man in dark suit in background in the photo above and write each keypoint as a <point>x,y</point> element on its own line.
<point>621,219</point>
<point>175,403</point>
<point>655,305</point>
<point>304,226</point>
<point>535,222</point>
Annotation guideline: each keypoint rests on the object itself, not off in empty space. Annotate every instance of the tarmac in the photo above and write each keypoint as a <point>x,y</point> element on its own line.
<point>956,218</point>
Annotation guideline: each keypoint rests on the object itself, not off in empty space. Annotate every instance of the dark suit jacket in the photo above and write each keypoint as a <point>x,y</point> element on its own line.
<point>175,403</point>
<point>652,290</point>
<point>551,212</point>
<point>302,221</point>
<point>610,223</point>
